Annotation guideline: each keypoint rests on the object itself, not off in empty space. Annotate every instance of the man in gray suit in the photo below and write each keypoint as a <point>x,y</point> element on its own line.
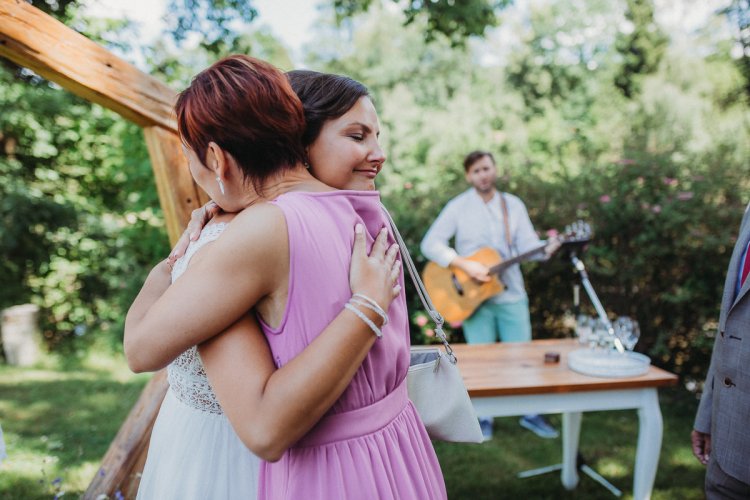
<point>721,434</point>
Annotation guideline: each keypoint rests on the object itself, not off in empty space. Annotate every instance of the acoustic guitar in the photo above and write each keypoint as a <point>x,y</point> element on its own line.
<point>456,295</point>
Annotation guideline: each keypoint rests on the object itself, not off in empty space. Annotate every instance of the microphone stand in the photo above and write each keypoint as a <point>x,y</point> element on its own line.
<point>581,270</point>
<point>581,464</point>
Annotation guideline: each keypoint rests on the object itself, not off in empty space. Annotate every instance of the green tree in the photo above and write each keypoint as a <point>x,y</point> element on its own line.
<point>456,20</point>
<point>67,166</point>
<point>211,20</point>
<point>739,13</point>
<point>641,49</point>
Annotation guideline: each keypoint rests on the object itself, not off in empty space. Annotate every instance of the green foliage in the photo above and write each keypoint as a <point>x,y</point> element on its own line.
<point>73,231</point>
<point>641,49</point>
<point>456,20</point>
<point>64,10</point>
<point>739,13</point>
<point>211,20</point>
<point>178,66</point>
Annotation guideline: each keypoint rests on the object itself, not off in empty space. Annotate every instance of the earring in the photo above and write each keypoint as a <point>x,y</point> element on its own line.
<point>307,165</point>
<point>221,184</point>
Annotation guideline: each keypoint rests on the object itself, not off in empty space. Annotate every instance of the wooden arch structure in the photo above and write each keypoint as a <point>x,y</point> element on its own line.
<point>34,40</point>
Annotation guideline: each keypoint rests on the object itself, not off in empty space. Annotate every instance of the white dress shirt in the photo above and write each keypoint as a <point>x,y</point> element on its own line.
<point>476,224</point>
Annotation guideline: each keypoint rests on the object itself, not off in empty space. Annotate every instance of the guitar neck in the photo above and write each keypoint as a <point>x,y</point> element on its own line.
<point>499,268</point>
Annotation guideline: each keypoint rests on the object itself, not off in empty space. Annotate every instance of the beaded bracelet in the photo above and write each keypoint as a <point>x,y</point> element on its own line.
<point>378,333</point>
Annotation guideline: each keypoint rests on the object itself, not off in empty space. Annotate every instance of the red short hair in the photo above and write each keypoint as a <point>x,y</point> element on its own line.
<point>248,108</point>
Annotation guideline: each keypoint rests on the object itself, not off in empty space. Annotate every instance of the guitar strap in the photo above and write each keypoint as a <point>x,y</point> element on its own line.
<point>506,220</point>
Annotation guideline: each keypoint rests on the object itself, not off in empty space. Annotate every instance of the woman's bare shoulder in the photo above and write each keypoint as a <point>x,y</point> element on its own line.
<point>259,220</point>
<point>255,241</point>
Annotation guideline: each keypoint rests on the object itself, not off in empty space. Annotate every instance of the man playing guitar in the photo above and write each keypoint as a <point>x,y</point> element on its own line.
<point>484,217</point>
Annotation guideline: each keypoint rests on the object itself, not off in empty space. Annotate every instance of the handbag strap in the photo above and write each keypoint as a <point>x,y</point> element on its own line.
<point>423,295</point>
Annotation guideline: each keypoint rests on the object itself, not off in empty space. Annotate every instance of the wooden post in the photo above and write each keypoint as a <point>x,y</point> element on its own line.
<point>178,194</point>
<point>123,463</point>
<point>39,42</point>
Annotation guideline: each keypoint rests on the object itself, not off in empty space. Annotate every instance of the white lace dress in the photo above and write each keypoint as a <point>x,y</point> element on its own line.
<point>194,452</point>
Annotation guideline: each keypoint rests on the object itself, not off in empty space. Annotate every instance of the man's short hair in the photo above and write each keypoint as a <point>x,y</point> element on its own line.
<point>474,157</point>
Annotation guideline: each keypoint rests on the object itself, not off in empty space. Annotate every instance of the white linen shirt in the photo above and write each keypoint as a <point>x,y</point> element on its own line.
<point>476,224</point>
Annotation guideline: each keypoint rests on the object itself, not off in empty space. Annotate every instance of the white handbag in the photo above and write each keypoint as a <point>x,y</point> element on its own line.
<point>434,382</point>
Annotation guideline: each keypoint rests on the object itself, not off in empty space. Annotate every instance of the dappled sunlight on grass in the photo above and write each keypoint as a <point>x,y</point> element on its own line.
<point>685,458</point>
<point>613,469</point>
<point>59,423</point>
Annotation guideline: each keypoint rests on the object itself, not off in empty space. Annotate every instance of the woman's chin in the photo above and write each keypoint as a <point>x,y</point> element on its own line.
<point>361,185</point>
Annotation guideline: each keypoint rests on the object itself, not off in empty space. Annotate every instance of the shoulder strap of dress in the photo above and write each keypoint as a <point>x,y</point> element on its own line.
<point>208,234</point>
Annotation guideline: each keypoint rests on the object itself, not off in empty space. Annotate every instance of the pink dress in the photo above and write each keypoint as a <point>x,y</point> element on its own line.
<point>372,443</point>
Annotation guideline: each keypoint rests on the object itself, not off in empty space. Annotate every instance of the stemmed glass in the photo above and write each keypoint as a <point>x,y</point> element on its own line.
<point>584,328</point>
<point>627,330</point>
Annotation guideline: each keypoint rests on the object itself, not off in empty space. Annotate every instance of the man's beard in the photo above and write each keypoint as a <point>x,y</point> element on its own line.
<point>485,190</point>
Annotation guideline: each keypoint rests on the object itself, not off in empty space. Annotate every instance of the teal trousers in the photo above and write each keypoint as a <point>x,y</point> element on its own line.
<point>492,323</point>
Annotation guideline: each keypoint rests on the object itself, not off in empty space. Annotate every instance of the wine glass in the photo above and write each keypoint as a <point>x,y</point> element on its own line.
<point>601,335</point>
<point>584,328</point>
<point>628,331</point>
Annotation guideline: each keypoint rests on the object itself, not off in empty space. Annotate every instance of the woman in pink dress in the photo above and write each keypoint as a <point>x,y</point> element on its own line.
<point>371,443</point>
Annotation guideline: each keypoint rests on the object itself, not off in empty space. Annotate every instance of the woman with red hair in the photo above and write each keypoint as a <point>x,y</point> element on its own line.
<point>332,405</point>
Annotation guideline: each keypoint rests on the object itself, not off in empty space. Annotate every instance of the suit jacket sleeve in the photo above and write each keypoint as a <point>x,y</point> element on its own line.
<point>703,416</point>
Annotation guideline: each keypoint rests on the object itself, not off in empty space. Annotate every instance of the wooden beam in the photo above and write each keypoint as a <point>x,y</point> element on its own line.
<point>37,41</point>
<point>121,467</point>
<point>178,194</point>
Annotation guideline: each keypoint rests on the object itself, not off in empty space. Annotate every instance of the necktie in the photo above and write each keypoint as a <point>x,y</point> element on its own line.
<point>745,266</point>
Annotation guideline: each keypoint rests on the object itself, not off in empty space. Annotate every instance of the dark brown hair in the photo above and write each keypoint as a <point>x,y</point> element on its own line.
<point>248,108</point>
<point>474,157</point>
<point>324,97</point>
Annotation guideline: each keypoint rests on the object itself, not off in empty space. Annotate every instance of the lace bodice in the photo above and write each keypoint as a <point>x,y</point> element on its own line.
<point>186,375</point>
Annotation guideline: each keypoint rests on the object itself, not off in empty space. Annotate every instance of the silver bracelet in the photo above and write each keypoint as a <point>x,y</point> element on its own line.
<point>368,321</point>
<point>377,310</point>
<point>371,302</point>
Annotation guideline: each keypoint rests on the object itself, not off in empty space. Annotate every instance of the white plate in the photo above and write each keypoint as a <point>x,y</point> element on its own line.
<point>609,363</point>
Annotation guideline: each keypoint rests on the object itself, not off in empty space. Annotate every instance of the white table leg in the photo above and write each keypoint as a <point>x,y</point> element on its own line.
<point>649,445</point>
<point>571,432</point>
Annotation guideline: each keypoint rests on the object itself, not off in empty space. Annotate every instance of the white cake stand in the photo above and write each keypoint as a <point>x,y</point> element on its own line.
<point>608,363</point>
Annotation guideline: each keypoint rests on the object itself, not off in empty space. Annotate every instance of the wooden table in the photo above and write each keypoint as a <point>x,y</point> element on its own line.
<point>506,379</point>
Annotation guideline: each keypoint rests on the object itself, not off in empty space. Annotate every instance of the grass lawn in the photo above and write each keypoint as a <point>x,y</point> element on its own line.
<point>607,443</point>
<point>59,422</point>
